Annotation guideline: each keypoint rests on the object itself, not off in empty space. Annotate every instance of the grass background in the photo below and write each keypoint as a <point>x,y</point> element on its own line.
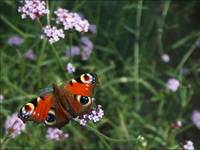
<point>130,39</point>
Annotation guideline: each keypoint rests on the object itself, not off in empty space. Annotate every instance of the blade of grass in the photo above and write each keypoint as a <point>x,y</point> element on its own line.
<point>186,57</point>
<point>12,26</point>
<point>184,40</point>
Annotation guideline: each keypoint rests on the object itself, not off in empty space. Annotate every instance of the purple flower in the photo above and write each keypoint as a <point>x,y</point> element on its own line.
<point>185,71</point>
<point>198,43</point>
<point>85,53</point>
<point>53,34</point>
<point>85,41</point>
<point>93,28</point>
<point>74,50</point>
<point>71,20</point>
<point>87,47</point>
<point>30,55</point>
<point>1,98</point>
<point>15,40</point>
<point>94,115</point>
<point>173,84</point>
<point>188,145</point>
<point>70,68</point>
<point>14,125</point>
<point>196,118</point>
<point>165,58</point>
<point>56,134</point>
<point>33,9</point>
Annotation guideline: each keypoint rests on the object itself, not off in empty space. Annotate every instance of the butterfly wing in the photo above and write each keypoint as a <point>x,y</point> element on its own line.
<point>82,85</point>
<point>37,109</point>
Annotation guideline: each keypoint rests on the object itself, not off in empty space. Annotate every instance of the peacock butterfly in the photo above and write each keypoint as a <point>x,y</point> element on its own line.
<point>57,107</point>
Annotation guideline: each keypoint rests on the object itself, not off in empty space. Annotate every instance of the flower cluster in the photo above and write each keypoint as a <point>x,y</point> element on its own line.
<point>196,118</point>
<point>70,68</point>
<point>71,20</point>
<point>14,125</point>
<point>15,40</point>
<point>84,50</point>
<point>188,145</point>
<point>173,84</point>
<point>142,141</point>
<point>56,134</point>
<point>53,34</point>
<point>33,9</point>
<point>94,115</point>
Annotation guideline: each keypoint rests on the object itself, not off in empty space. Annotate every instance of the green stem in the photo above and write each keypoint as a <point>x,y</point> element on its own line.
<point>39,61</point>
<point>48,15</point>
<point>185,58</point>
<point>58,59</point>
<point>5,141</point>
<point>136,52</point>
<point>160,26</point>
<point>108,138</point>
<point>70,46</point>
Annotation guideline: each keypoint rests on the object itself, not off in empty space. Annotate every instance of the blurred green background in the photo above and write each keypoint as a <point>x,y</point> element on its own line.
<point>130,40</point>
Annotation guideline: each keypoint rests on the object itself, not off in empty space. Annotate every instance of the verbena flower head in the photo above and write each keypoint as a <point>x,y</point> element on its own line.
<point>52,34</point>
<point>14,125</point>
<point>70,68</point>
<point>94,115</point>
<point>196,118</point>
<point>15,40</point>
<point>188,145</point>
<point>165,58</point>
<point>173,84</point>
<point>56,134</point>
<point>33,9</point>
<point>30,55</point>
<point>73,51</point>
<point>71,20</point>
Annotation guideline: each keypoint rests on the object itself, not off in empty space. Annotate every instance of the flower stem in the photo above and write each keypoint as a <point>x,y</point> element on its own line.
<point>5,141</point>
<point>108,138</point>
<point>136,52</point>
<point>48,14</point>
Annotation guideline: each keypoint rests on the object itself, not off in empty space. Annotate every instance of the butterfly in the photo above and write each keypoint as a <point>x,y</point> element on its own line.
<point>57,107</point>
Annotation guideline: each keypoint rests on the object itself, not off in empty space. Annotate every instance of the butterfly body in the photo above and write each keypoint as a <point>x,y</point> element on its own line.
<point>58,107</point>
